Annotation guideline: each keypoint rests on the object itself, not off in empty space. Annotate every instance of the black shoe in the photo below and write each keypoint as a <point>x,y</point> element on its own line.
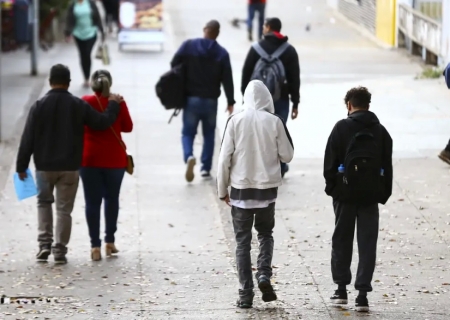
<point>60,259</point>
<point>339,297</point>
<point>59,252</point>
<point>266,288</point>
<point>250,36</point>
<point>362,304</point>
<point>44,252</point>
<point>245,300</point>
<point>445,156</point>
<point>205,175</point>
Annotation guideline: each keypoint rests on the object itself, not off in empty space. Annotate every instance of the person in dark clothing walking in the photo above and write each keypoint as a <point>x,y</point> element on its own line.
<point>53,134</point>
<point>83,22</point>
<point>444,155</point>
<point>273,39</point>
<point>207,66</point>
<point>256,6</point>
<point>356,194</point>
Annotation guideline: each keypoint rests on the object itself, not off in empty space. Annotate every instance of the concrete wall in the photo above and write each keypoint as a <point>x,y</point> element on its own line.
<point>362,12</point>
<point>445,49</point>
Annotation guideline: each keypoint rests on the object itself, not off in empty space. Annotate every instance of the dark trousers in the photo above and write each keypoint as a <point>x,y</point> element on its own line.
<point>264,220</point>
<point>282,110</point>
<point>85,50</point>
<point>111,11</point>
<point>252,9</point>
<point>366,217</point>
<point>205,111</point>
<point>101,184</point>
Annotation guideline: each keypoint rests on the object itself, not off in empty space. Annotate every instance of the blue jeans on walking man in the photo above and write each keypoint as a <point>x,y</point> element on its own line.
<point>252,9</point>
<point>282,110</point>
<point>101,184</point>
<point>198,110</point>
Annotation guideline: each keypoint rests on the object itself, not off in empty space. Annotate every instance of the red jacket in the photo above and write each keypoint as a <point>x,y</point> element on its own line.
<point>101,148</point>
<point>256,1</point>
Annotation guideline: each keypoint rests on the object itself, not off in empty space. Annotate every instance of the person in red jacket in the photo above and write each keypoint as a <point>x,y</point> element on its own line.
<point>253,7</point>
<point>103,166</point>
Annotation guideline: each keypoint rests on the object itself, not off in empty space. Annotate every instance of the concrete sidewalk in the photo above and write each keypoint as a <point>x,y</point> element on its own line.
<point>176,241</point>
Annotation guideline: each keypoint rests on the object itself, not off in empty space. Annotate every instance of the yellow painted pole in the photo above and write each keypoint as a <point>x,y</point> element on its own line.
<point>386,21</point>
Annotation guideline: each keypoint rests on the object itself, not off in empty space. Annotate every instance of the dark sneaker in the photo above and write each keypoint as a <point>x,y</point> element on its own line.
<point>339,297</point>
<point>205,175</point>
<point>44,252</point>
<point>190,164</point>
<point>245,300</point>
<point>250,36</point>
<point>59,252</point>
<point>445,156</point>
<point>60,259</point>
<point>268,294</point>
<point>362,304</point>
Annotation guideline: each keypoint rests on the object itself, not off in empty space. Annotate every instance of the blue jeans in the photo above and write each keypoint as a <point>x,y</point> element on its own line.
<point>252,9</point>
<point>99,184</point>
<point>282,110</point>
<point>196,110</point>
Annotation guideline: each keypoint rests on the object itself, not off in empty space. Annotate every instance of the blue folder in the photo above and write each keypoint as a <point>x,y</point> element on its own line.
<point>26,188</point>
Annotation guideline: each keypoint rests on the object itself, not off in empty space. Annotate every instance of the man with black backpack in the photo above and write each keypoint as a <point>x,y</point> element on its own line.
<point>275,62</point>
<point>358,176</point>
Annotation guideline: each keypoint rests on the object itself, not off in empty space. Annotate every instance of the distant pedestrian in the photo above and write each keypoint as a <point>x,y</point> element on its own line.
<point>358,176</point>
<point>103,167</point>
<point>256,6</point>
<point>276,46</point>
<point>83,22</point>
<point>254,143</point>
<point>207,66</point>
<point>111,8</point>
<point>53,134</point>
<point>445,154</point>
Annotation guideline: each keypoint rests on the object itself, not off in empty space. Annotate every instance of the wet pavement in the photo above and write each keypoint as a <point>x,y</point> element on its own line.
<point>176,240</point>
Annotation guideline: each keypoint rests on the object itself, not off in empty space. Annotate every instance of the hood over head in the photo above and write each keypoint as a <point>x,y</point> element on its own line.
<point>364,117</point>
<point>258,97</point>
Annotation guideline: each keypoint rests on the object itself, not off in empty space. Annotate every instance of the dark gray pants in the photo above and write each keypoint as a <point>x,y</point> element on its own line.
<point>264,220</point>
<point>366,218</point>
<point>66,185</point>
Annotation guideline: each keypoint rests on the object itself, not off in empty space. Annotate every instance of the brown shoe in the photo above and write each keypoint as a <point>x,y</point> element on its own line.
<point>445,156</point>
<point>96,254</point>
<point>110,248</point>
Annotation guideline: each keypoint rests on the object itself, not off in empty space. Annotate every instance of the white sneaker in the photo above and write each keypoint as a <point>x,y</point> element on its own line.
<point>190,164</point>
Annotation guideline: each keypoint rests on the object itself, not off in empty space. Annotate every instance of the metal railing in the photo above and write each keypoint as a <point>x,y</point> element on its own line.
<point>421,29</point>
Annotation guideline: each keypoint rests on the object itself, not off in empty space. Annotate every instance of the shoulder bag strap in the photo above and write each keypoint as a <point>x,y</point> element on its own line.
<point>112,129</point>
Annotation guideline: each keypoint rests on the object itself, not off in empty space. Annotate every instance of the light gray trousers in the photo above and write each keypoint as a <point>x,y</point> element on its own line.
<point>66,185</point>
<point>264,221</point>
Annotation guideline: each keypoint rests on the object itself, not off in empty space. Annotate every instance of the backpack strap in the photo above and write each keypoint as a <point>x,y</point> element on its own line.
<point>281,49</point>
<point>260,51</point>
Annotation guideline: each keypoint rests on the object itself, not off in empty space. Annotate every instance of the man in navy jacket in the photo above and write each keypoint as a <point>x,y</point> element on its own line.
<point>207,66</point>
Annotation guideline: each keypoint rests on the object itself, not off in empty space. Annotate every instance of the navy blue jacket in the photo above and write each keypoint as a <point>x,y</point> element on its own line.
<point>207,67</point>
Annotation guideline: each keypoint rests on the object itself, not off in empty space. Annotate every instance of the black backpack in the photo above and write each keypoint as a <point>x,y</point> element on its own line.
<point>362,179</point>
<point>270,70</point>
<point>170,89</point>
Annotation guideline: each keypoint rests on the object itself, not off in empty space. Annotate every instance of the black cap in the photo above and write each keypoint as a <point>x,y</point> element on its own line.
<point>274,24</point>
<point>59,74</point>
